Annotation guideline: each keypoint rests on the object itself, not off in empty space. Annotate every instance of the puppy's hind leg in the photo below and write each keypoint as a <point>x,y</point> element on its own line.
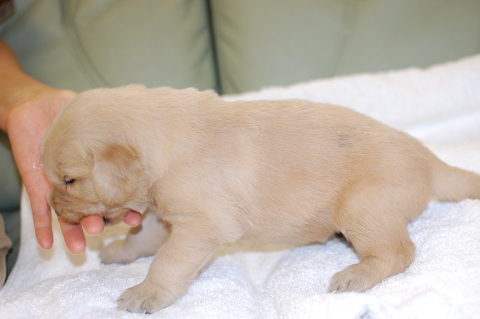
<point>141,241</point>
<point>375,223</point>
<point>381,259</point>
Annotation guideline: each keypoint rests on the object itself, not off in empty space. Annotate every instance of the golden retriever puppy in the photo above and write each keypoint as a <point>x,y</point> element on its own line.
<point>210,172</point>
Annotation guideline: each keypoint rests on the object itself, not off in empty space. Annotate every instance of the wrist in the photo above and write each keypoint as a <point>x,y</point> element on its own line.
<point>16,87</point>
<point>17,90</point>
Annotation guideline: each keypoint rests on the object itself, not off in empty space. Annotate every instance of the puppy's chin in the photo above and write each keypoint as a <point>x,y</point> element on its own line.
<point>109,218</point>
<point>71,219</point>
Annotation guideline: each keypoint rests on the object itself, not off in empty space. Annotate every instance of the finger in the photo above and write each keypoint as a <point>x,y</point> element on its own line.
<point>42,217</point>
<point>73,236</point>
<point>43,229</point>
<point>133,218</point>
<point>44,234</point>
<point>93,224</point>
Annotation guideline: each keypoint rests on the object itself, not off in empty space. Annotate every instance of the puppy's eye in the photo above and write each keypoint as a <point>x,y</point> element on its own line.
<point>69,181</point>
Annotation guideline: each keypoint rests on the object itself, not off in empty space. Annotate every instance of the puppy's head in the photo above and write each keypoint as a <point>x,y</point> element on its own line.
<point>91,169</point>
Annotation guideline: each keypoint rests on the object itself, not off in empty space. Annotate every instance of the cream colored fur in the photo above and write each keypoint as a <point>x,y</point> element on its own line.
<point>209,172</point>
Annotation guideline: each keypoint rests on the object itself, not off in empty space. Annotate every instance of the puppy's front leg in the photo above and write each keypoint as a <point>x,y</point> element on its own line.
<point>173,269</point>
<point>141,241</point>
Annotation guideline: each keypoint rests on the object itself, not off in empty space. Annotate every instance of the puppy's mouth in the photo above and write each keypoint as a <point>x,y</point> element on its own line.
<point>115,216</point>
<point>108,221</point>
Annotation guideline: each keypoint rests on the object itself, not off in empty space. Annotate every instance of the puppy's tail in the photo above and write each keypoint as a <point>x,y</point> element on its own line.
<point>454,184</point>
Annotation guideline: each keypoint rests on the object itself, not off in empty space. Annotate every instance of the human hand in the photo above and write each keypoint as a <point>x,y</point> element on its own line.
<point>27,122</point>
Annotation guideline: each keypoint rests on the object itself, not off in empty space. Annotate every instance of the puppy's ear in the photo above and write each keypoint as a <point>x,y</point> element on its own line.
<point>115,172</point>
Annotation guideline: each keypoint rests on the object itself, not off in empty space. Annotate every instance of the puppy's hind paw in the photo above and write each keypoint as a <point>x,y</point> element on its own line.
<point>142,298</point>
<point>350,280</point>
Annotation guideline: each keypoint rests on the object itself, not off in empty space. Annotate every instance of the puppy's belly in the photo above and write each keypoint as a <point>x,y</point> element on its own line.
<point>292,231</point>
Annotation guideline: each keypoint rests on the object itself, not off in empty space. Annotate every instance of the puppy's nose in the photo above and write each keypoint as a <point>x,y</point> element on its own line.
<point>105,220</point>
<point>56,213</point>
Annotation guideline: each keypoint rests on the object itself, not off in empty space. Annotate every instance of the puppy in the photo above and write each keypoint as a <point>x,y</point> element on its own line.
<point>210,172</point>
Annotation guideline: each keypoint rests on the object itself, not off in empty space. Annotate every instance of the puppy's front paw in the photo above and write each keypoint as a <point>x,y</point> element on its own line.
<point>350,279</point>
<point>143,298</point>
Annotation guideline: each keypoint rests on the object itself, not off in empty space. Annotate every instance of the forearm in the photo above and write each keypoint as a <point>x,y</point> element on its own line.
<point>8,60</point>
<point>13,82</point>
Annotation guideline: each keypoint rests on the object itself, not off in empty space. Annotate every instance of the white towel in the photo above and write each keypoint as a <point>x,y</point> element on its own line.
<point>439,105</point>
